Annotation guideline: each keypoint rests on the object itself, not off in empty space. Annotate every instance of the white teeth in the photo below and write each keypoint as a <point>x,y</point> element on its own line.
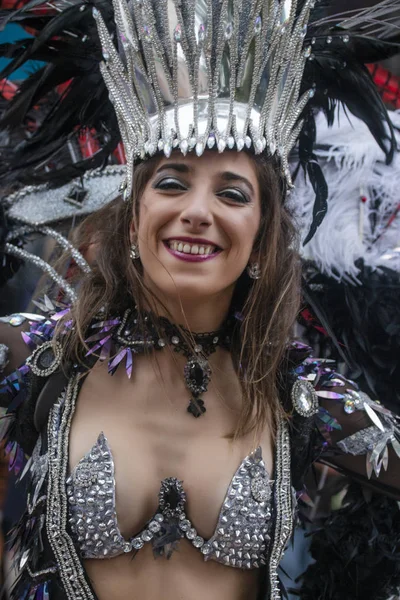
<point>191,249</point>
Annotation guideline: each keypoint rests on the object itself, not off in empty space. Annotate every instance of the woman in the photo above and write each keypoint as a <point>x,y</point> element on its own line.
<point>190,451</point>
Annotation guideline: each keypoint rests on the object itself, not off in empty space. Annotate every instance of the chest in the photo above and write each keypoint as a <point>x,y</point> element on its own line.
<point>152,437</point>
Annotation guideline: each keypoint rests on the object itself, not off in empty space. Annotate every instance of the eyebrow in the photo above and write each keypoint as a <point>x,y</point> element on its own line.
<point>226,175</point>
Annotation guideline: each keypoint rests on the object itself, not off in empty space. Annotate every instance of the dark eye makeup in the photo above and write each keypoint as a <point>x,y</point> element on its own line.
<point>171,183</point>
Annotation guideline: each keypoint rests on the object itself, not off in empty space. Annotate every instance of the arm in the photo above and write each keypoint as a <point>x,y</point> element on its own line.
<point>359,436</point>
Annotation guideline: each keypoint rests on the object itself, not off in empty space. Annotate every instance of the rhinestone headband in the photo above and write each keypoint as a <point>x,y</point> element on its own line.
<point>197,74</point>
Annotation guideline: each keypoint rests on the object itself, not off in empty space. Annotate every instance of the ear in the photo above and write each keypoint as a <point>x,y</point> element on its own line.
<point>254,257</point>
<point>132,232</point>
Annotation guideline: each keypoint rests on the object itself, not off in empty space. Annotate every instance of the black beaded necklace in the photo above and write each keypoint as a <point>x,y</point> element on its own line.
<point>132,334</point>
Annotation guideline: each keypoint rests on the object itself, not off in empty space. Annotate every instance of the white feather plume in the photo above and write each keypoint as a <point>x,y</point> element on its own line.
<point>354,166</point>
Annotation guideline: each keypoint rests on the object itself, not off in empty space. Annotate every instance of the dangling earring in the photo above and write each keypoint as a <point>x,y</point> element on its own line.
<point>254,271</point>
<point>134,252</point>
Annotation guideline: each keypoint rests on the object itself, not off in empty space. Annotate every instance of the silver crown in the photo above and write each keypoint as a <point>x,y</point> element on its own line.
<point>197,74</point>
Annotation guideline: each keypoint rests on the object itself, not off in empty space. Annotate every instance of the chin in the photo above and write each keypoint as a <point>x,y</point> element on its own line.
<point>186,288</point>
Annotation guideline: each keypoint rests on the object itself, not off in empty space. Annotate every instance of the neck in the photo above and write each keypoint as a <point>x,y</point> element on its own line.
<point>203,315</point>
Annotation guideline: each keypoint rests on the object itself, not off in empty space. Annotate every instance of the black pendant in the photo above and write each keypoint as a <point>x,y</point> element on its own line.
<point>196,407</point>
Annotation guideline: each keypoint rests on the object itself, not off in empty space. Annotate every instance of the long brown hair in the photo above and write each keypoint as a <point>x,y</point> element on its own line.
<point>268,306</point>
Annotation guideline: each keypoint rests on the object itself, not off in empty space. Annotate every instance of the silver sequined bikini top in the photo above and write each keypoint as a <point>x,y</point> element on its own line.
<point>241,538</point>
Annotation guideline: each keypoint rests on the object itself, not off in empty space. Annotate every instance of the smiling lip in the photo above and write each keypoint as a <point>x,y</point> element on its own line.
<point>190,257</point>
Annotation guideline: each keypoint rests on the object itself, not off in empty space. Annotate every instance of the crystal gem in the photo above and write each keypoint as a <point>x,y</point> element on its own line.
<point>311,94</point>
<point>16,320</point>
<point>147,33</point>
<point>313,40</point>
<point>202,32</point>
<point>77,194</point>
<point>160,145</point>
<point>175,340</point>
<point>240,144</point>
<point>215,340</point>
<point>95,13</point>
<point>349,407</point>
<point>258,145</point>
<point>304,31</point>
<point>147,535</point>
<point>228,31</point>
<point>260,489</point>
<point>167,149</point>
<point>206,549</point>
<point>175,143</point>
<point>159,518</point>
<point>127,547</point>
<point>199,148</point>
<point>285,25</point>
<point>221,145</point>
<point>191,534</point>
<point>329,40</point>
<point>211,140</point>
<point>137,543</point>
<point>303,394</point>
<point>154,526</point>
<point>46,358</point>
<point>198,541</point>
<point>178,33</point>
<point>106,55</point>
<point>184,525</point>
<point>307,52</point>
<point>198,348</point>
<point>184,146</point>
<point>257,24</point>
<point>248,141</point>
<point>231,142</point>
<point>161,343</point>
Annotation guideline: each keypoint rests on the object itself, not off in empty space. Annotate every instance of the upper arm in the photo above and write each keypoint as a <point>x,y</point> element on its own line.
<point>367,445</point>
<point>18,351</point>
<point>360,436</point>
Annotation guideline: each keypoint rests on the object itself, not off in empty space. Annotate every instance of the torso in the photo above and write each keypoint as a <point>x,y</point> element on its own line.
<point>152,437</point>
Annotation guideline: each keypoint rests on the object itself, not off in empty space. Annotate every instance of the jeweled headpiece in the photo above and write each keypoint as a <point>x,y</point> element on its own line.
<point>192,74</point>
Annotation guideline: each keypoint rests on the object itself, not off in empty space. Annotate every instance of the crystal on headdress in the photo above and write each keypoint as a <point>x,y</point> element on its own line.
<point>197,73</point>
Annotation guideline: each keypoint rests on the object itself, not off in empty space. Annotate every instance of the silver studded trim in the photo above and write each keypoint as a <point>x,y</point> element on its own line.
<point>283,507</point>
<point>70,568</point>
<point>40,357</point>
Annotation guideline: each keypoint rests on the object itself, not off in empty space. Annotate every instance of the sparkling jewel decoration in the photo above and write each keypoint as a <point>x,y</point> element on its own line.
<point>304,398</point>
<point>189,73</point>
<point>46,359</point>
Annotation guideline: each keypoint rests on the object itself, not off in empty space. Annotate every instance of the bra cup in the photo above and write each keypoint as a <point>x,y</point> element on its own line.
<point>241,538</point>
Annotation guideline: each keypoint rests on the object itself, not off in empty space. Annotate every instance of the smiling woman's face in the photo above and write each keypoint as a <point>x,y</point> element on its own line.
<point>198,219</point>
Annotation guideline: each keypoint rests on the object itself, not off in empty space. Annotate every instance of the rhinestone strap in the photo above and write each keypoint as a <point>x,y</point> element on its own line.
<point>71,570</point>
<point>283,507</point>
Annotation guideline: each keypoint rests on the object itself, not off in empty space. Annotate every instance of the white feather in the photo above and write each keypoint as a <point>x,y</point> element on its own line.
<point>353,165</point>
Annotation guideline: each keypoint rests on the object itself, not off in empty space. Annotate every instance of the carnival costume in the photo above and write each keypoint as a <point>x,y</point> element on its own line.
<point>187,76</point>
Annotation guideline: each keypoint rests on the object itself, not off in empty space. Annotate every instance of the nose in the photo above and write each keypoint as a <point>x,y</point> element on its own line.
<point>197,214</point>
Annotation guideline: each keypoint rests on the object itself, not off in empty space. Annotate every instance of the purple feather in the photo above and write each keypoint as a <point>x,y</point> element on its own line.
<point>115,362</point>
<point>27,340</point>
<point>129,362</point>
<point>329,395</point>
